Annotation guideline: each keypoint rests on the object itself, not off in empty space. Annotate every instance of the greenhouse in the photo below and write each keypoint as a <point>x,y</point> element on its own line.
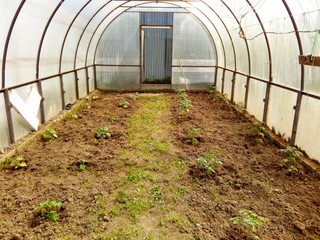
<point>165,119</point>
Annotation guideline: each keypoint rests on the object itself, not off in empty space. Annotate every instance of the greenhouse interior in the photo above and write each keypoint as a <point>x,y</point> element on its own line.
<point>160,119</point>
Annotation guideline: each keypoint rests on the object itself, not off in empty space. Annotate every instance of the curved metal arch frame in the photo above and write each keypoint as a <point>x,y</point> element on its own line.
<point>213,41</point>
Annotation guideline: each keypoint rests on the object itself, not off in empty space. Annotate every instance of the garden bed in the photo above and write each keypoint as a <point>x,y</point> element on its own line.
<point>149,178</point>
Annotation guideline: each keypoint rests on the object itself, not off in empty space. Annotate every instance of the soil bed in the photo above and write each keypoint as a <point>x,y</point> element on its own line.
<point>144,182</point>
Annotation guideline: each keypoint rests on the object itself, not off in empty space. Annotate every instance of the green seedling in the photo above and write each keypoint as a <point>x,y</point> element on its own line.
<point>50,209</point>
<point>156,194</point>
<point>207,162</point>
<point>184,104</point>
<point>292,154</point>
<point>192,136</point>
<point>49,134</point>
<point>103,133</point>
<point>212,89</point>
<point>83,165</point>
<point>250,222</point>
<point>13,163</point>
<point>258,129</point>
<point>95,97</point>
<point>123,104</point>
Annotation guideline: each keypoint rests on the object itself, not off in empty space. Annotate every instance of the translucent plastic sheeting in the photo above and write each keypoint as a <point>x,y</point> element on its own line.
<point>118,78</point>
<point>308,133</point>
<point>192,78</point>
<point>312,83</point>
<point>257,92</point>
<point>91,79</point>
<point>4,139</point>
<point>120,43</point>
<point>52,97</point>
<point>94,41</point>
<point>219,79</point>
<point>240,89</point>
<point>82,83</point>
<point>102,18</point>
<point>69,87</point>
<point>21,127</point>
<point>281,111</point>
<point>228,83</point>
<point>25,39</point>
<point>191,43</point>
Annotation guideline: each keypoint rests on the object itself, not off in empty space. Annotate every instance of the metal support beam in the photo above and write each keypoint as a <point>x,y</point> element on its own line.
<point>9,115</point>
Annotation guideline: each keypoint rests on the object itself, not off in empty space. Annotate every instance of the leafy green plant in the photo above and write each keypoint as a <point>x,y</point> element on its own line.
<point>103,133</point>
<point>258,129</point>
<point>184,103</point>
<point>49,134</point>
<point>212,89</point>
<point>50,209</point>
<point>207,162</point>
<point>156,194</point>
<point>250,222</point>
<point>83,165</point>
<point>292,154</point>
<point>13,163</point>
<point>192,136</point>
<point>123,104</point>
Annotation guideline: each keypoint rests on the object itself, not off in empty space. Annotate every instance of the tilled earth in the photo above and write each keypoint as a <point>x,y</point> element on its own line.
<point>143,182</point>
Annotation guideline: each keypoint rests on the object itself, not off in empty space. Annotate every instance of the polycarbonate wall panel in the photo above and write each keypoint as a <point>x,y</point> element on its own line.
<point>308,133</point>
<point>120,43</point>
<point>25,39</point>
<point>257,91</point>
<point>82,83</point>
<point>219,79</point>
<point>94,41</point>
<point>240,89</point>
<point>281,111</point>
<point>52,97</point>
<point>118,78</point>
<point>91,78</point>
<point>192,78</point>
<point>192,45</point>
<point>4,139</point>
<point>69,87</point>
<point>312,82</point>
<point>228,83</point>
<point>105,11</point>
<point>20,125</point>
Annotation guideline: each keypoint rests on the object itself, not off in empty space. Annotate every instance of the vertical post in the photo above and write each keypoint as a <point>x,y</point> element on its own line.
<point>9,115</point>
<point>76,79</point>
<point>95,76</point>
<point>222,79</point>
<point>247,92</point>
<point>62,91</point>
<point>233,86</point>
<point>87,80</point>
<point>42,112</point>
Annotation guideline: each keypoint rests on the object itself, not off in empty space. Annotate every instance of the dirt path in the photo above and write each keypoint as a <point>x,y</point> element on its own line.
<point>143,182</point>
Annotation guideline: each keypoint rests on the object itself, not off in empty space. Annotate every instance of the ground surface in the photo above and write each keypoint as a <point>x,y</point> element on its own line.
<point>143,183</point>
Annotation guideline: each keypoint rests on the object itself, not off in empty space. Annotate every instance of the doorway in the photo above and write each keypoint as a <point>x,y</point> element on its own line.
<point>156,48</point>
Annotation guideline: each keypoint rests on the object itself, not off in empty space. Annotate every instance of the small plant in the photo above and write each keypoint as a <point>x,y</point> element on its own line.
<point>74,116</point>
<point>83,165</point>
<point>258,129</point>
<point>103,133</point>
<point>192,136</point>
<point>95,97</point>
<point>184,104</point>
<point>13,163</point>
<point>50,209</point>
<point>49,134</point>
<point>292,154</point>
<point>207,161</point>
<point>123,104</point>
<point>212,89</point>
<point>156,194</point>
<point>250,222</point>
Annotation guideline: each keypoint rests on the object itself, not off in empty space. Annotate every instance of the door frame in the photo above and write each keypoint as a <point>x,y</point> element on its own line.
<point>142,49</point>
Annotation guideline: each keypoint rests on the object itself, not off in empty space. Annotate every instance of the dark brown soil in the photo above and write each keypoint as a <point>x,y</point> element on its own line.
<point>189,203</point>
